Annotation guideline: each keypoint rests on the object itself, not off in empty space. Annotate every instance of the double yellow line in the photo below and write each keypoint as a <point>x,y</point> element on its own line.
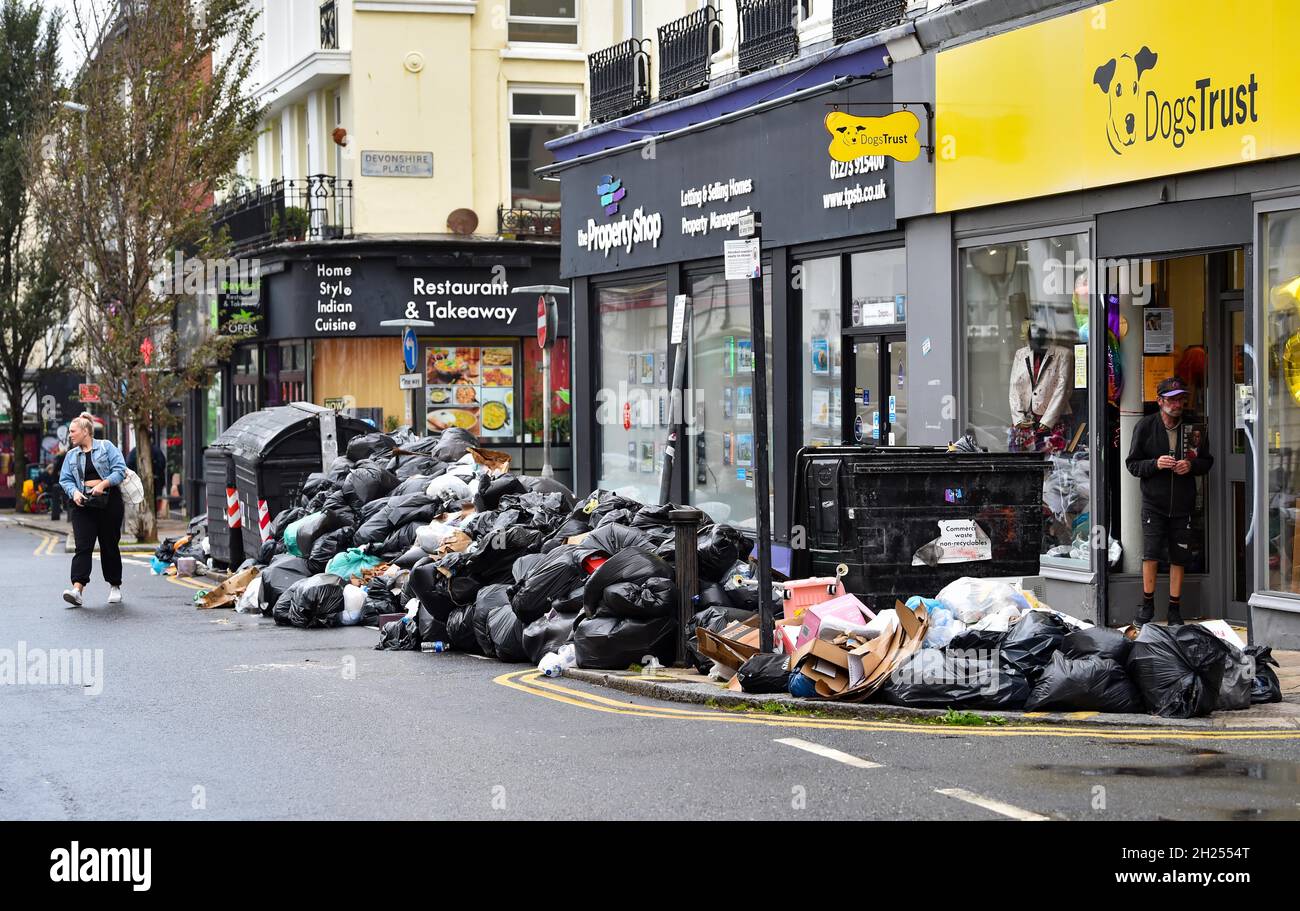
<point>47,545</point>
<point>535,684</point>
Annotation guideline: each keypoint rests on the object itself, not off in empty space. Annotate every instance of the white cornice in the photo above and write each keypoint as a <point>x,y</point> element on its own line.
<point>308,73</point>
<point>454,7</point>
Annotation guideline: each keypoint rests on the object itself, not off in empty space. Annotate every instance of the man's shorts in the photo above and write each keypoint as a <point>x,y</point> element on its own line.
<point>1166,537</point>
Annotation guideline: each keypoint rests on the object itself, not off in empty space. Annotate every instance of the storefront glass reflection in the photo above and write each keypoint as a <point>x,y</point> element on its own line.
<point>822,365</point>
<point>1026,309</point>
<point>1281,290</point>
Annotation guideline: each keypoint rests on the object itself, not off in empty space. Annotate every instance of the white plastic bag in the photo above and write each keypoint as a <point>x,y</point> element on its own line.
<point>999,621</point>
<point>250,602</point>
<point>354,602</point>
<point>430,537</point>
<point>448,484</point>
<point>971,600</point>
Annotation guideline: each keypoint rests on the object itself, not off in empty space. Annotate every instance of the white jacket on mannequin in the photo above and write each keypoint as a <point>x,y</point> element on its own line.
<point>1043,399</point>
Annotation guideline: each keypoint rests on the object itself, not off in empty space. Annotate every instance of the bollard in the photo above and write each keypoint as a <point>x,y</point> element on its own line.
<point>686,526</point>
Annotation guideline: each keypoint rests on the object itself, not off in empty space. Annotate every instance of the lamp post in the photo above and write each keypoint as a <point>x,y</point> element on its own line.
<point>548,324</point>
<point>404,325</point>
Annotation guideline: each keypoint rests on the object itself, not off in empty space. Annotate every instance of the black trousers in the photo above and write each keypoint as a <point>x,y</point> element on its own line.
<point>105,525</point>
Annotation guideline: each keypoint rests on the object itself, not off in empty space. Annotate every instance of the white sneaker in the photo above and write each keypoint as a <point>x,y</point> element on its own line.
<point>115,595</point>
<point>73,597</point>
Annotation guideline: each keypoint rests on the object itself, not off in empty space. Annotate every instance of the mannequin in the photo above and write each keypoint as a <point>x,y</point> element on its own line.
<point>1042,378</point>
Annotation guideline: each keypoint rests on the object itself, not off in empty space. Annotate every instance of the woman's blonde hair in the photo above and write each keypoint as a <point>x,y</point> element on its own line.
<point>86,421</point>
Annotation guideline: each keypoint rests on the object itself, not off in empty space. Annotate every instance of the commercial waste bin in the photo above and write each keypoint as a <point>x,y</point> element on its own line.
<point>227,542</point>
<point>275,450</point>
<point>909,520</point>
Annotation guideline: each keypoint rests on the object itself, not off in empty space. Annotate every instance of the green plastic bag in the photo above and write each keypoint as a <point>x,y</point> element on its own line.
<point>350,563</point>
<point>290,539</point>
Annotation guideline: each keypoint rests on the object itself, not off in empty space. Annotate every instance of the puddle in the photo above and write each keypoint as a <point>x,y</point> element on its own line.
<point>1208,765</point>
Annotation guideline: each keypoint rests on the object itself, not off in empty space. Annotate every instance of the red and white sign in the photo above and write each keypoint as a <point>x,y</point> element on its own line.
<point>264,520</point>
<point>234,511</point>
<point>88,393</point>
<point>542,328</point>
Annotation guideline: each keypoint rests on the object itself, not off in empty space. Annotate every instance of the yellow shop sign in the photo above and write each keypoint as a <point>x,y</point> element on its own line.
<point>1121,91</point>
<point>893,135</point>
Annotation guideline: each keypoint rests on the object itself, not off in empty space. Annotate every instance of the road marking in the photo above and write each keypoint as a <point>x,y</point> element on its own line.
<point>535,684</point>
<point>829,753</point>
<point>993,806</point>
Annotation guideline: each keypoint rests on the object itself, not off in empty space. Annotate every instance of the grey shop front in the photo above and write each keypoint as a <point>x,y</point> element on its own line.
<point>645,224</point>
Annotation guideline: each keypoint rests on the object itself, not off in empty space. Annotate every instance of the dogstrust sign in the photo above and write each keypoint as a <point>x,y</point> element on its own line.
<point>1121,91</point>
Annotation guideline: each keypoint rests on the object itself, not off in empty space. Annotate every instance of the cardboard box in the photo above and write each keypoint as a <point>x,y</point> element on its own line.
<point>825,664</point>
<point>870,664</point>
<point>846,607</point>
<point>787,634</point>
<point>731,647</point>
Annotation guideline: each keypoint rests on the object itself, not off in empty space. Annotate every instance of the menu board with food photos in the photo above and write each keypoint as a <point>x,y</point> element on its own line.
<point>472,388</point>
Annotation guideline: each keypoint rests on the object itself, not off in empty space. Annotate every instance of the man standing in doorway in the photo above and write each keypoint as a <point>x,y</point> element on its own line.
<point>1168,460</point>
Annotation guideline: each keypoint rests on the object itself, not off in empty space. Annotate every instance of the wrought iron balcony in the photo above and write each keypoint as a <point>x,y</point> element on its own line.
<point>855,18</point>
<point>620,80</point>
<point>526,222</point>
<point>769,32</point>
<point>329,25</point>
<point>315,208</point>
<point>685,46</point>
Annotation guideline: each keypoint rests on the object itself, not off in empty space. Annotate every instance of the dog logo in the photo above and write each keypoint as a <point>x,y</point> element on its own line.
<point>1119,80</point>
<point>856,137</point>
<point>611,193</point>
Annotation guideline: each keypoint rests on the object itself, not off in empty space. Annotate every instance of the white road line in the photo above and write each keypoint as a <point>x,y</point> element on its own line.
<point>994,806</point>
<point>828,753</point>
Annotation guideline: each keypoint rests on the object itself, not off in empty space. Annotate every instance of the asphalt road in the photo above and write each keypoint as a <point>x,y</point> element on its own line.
<point>222,716</point>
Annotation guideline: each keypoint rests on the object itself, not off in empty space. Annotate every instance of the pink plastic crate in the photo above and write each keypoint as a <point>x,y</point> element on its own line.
<point>801,594</point>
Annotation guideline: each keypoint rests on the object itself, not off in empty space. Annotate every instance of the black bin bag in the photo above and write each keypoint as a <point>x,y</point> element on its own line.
<point>399,636</point>
<point>548,634</point>
<point>1089,684</point>
<point>460,630</point>
<point>315,603</point>
<point>277,578</point>
<point>1265,687</point>
<point>1179,670</point>
<point>1097,640</point>
<point>507,632</point>
<point>765,674</point>
<point>488,599</point>
<point>956,678</point>
<point>1032,640</point>
<point>552,576</point>
<point>615,643</point>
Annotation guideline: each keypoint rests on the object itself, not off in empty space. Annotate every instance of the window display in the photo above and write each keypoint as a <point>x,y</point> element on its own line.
<point>721,379</point>
<point>1026,307</point>
<point>1281,397</point>
<point>821,340</point>
<point>631,403</point>
<point>472,388</point>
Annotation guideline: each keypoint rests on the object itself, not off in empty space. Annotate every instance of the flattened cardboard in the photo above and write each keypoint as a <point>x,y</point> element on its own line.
<point>871,664</point>
<point>824,663</point>
<point>731,647</point>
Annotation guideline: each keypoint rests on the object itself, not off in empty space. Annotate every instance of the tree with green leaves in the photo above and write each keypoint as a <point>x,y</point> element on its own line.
<point>168,111</point>
<point>34,298</point>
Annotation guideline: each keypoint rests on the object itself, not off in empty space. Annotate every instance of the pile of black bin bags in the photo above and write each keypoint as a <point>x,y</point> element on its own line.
<point>501,565</point>
<point>1042,664</point>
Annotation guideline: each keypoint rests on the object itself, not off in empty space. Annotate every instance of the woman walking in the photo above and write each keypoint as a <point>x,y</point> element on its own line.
<point>91,478</point>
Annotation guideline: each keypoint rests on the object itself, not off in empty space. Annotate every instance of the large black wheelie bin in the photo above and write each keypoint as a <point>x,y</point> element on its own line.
<point>877,510</point>
<point>218,477</point>
<point>274,450</point>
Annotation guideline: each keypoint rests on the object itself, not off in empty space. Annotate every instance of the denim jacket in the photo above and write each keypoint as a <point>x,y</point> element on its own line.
<point>107,460</point>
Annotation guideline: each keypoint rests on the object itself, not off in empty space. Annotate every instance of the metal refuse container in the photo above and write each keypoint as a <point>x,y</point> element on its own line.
<point>909,520</point>
<point>224,530</point>
<point>274,451</point>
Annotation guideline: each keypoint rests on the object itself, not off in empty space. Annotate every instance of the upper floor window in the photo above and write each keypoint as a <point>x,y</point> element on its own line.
<point>543,21</point>
<point>536,117</point>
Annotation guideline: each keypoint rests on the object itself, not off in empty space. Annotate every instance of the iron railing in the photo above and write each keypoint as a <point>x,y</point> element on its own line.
<point>855,18</point>
<point>329,26</point>
<point>685,48</point>
<point>769,32</point>
<point>312,208</point>
<point>528,222</point>
<point>620,79</point>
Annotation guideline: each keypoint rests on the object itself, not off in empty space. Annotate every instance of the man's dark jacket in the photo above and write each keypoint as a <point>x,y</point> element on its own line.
<point>1164,492</point>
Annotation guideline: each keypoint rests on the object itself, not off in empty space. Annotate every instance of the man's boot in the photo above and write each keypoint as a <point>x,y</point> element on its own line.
<point>1146,613</point>
<point>1175,612</point>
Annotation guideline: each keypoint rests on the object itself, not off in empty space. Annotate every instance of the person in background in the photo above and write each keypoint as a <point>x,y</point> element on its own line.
<point>53,469</point>
<point>1168,467</point>
<point>91,478</point>
<point>159,469</point>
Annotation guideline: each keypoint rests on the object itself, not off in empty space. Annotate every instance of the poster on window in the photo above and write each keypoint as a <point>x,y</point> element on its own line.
<point>821,407</point>
<point>1158,331</point>
<point>471,388</point>
<point>821,357</point>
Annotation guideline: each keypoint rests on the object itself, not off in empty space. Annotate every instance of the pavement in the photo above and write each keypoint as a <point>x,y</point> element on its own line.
<point>167,528</point>
<point>187,714</point>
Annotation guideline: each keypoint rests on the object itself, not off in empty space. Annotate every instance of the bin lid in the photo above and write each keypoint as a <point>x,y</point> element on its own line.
<point>255,435</point>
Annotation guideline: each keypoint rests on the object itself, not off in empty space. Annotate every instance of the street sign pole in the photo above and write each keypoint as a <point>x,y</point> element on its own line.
<point>758,323</point>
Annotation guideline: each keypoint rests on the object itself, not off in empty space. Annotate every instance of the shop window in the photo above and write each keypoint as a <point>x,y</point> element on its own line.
<point>632,404</point>
<point>822,368</point>
<point>1026,309</point>
<point>721,467</point>
<point>543,21</point>
<point>1280,281</point>
<point>472,384</point>
<point>244,380</point>
<point>536,117</point>
<point>561,413</point>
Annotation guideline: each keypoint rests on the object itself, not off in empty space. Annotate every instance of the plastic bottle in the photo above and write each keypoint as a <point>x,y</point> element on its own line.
<point>552,665</point>
<point>436,647</point>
